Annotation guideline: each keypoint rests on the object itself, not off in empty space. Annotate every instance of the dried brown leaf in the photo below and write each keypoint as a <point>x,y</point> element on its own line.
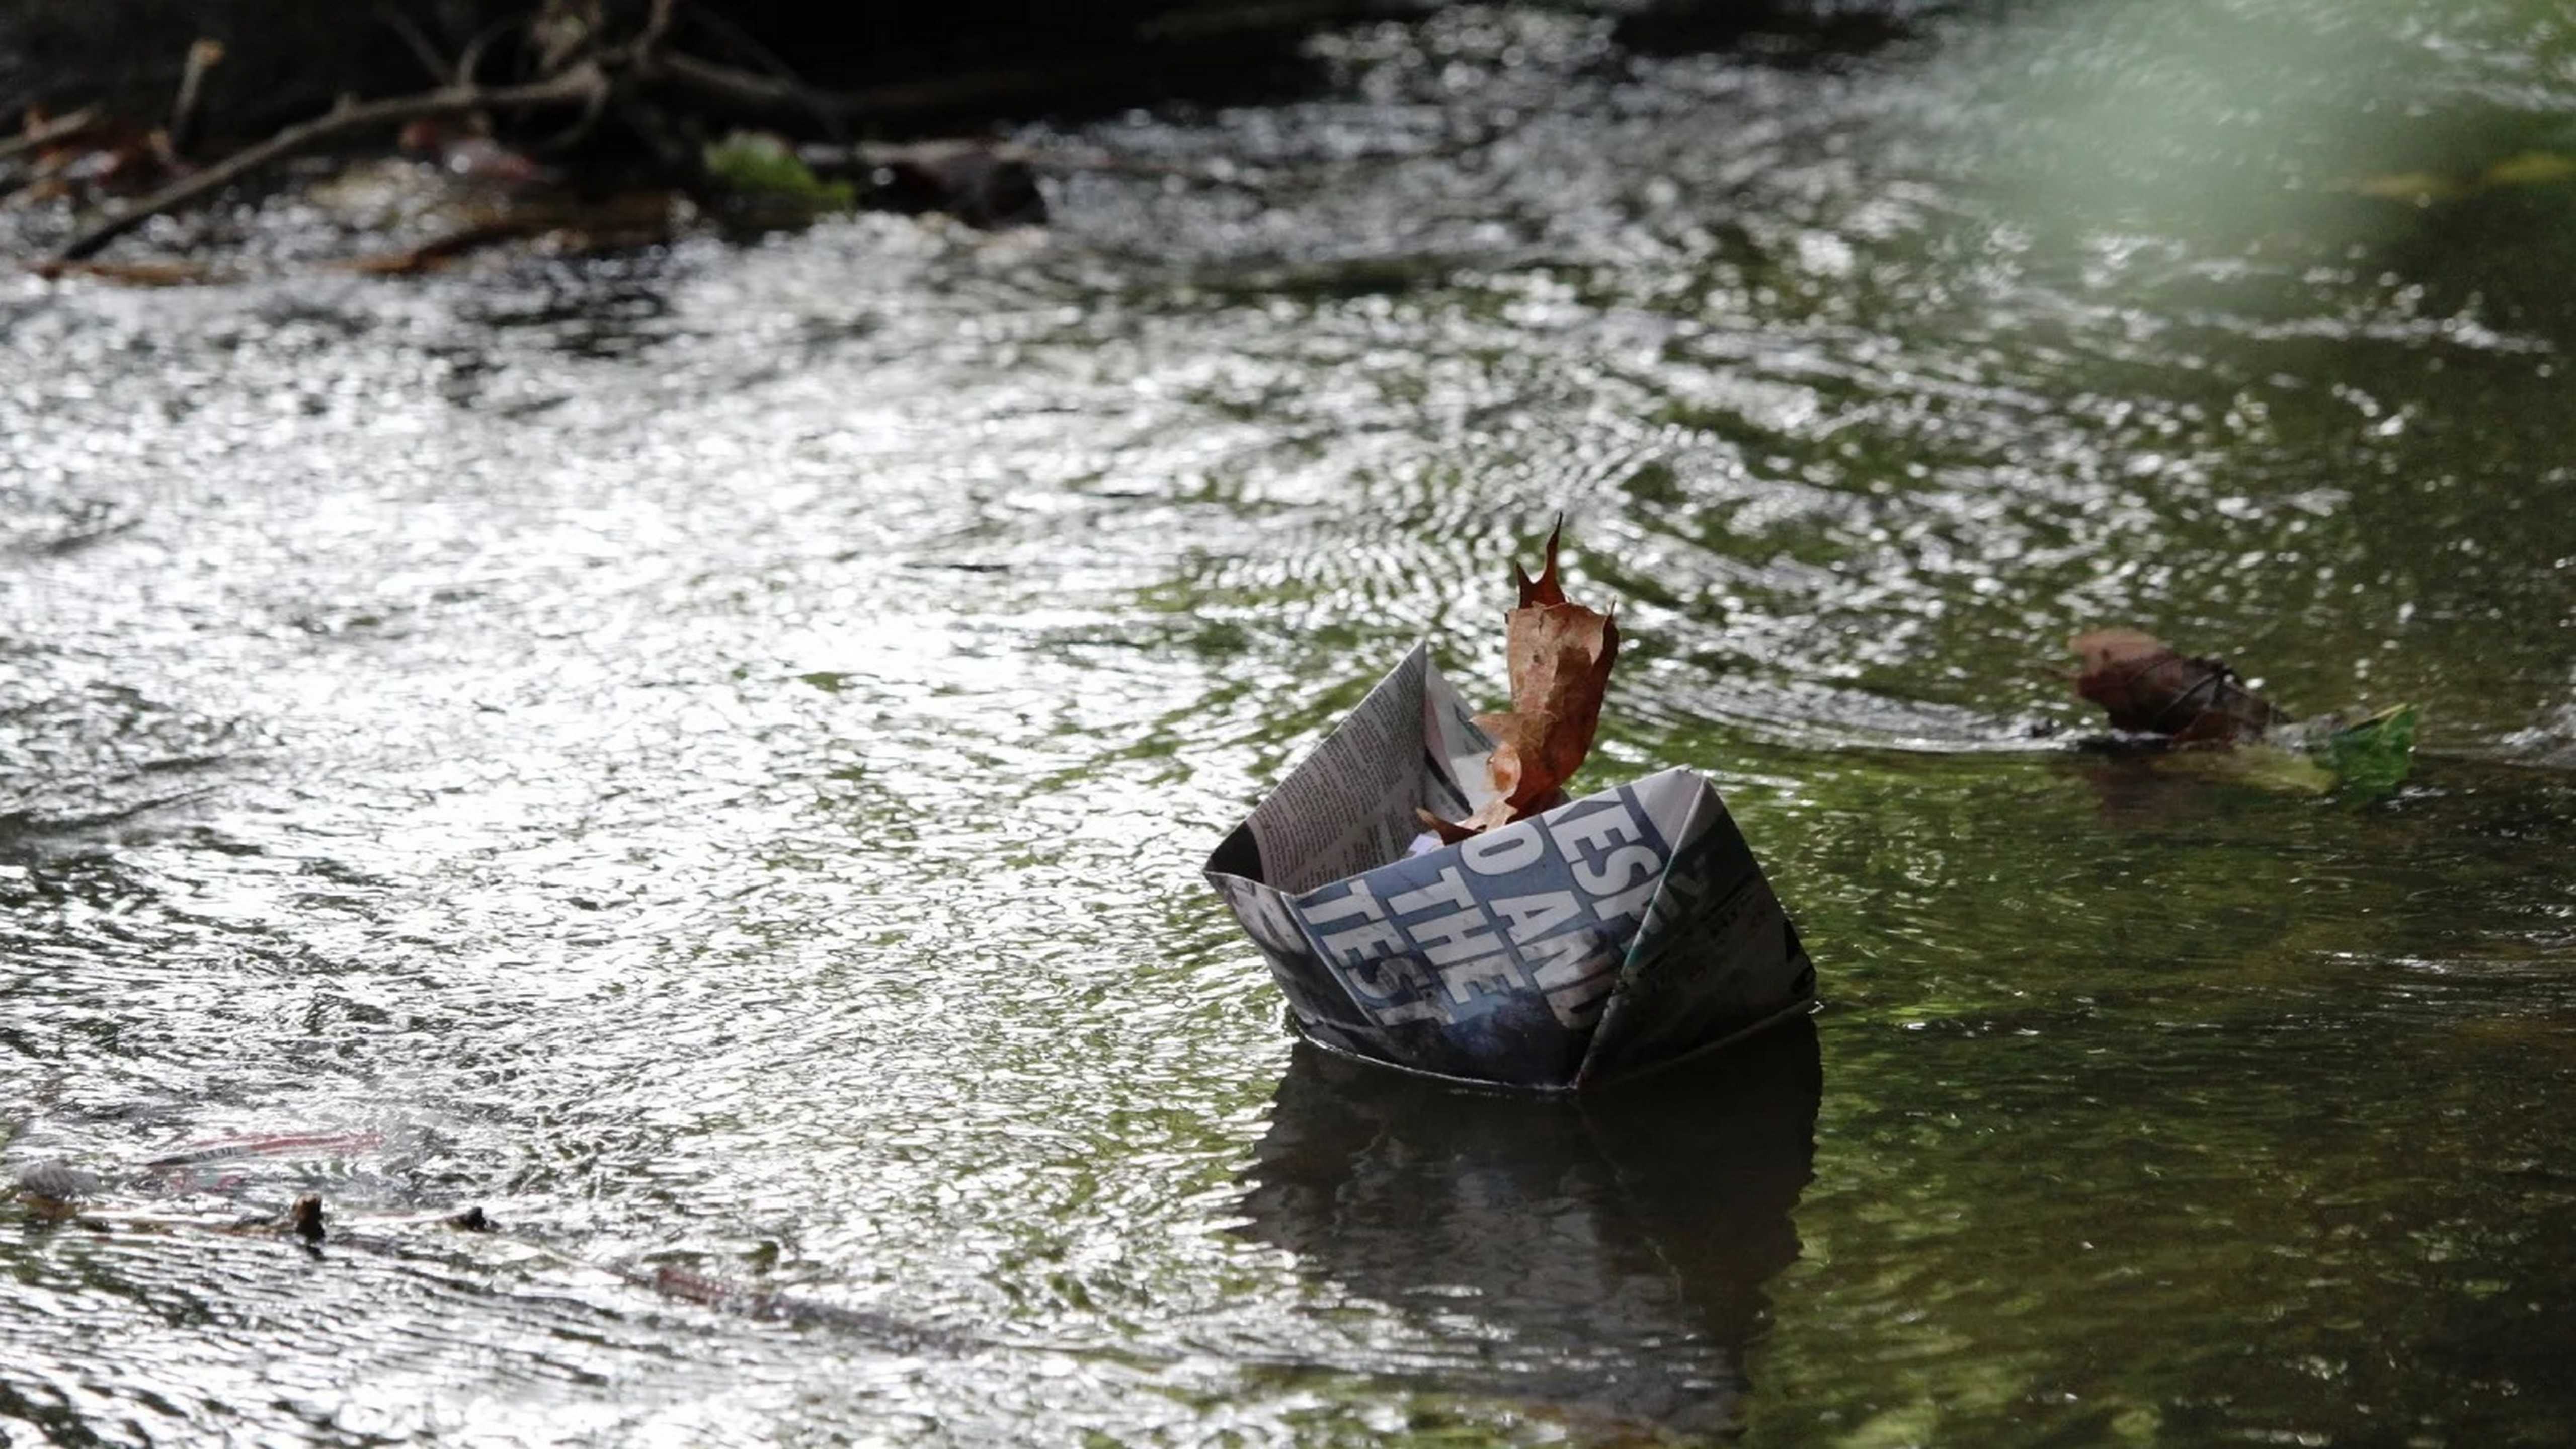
<point>2147,687</point>
<point>1560,655</point>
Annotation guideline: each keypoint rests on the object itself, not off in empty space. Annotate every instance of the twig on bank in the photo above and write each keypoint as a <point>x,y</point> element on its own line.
<point>657,24</point>
<point>749,89</point>
<point>593,106</point>
<point>583,83</point>
<point>410,34</point>
<point>742,42</point>
<point>203,56</point>
<point>61,128</point>
<point>469,66</point>
<point>639,83</point>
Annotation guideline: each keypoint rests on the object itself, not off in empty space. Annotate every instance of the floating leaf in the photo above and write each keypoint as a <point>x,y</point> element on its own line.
<point>2149,688</point>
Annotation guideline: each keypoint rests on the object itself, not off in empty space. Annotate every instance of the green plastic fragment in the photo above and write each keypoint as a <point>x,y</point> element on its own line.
<point>2373,755</point>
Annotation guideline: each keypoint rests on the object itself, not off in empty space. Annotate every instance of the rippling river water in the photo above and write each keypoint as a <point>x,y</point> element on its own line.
<point>706,756</point>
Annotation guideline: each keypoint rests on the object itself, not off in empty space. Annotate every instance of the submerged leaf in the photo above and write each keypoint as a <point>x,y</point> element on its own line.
<point>2423,188</point>
<point>2261,765</point>
<point>1560,654</point>
<point>2530,168</point>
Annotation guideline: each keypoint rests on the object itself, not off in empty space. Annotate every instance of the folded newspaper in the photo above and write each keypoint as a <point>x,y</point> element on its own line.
<point>1583,943</point>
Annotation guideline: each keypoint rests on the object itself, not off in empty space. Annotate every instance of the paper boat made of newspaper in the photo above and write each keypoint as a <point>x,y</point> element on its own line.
<point>1618,932</point>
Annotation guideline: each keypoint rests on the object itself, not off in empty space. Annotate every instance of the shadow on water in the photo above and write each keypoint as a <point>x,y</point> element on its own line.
<point>1606,1256</point>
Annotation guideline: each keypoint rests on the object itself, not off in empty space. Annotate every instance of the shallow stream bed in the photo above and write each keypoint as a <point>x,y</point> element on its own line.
<point>706,756</point>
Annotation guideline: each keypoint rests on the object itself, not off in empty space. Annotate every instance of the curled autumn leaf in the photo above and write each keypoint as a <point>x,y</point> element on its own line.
<point>1560,654</point>
<point>2149,688</point>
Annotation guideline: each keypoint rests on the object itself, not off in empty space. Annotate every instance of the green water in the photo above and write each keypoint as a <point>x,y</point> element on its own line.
<point>706,755</point>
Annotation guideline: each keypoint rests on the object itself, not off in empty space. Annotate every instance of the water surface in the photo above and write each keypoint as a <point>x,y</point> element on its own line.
<point>706,754</point>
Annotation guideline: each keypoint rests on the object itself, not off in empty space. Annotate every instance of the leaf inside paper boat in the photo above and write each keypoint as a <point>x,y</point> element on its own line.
<point>1560,654</point>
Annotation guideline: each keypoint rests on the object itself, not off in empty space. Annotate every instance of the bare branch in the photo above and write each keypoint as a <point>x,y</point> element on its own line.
<point>657,24</point>
<point>742,43</point>
<point>203,56</point>
<point>592,108</point>
<point>409,32</point>
<point>62,128</point>
<point>469,67</point>
<point>576,86</point>
<point>749,90</point>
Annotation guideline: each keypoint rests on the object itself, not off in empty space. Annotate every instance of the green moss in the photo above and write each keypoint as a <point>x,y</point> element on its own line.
<point>765,172</point>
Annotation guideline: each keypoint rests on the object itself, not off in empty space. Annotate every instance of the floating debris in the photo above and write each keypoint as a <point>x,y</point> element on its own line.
<point>2162,698</point>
